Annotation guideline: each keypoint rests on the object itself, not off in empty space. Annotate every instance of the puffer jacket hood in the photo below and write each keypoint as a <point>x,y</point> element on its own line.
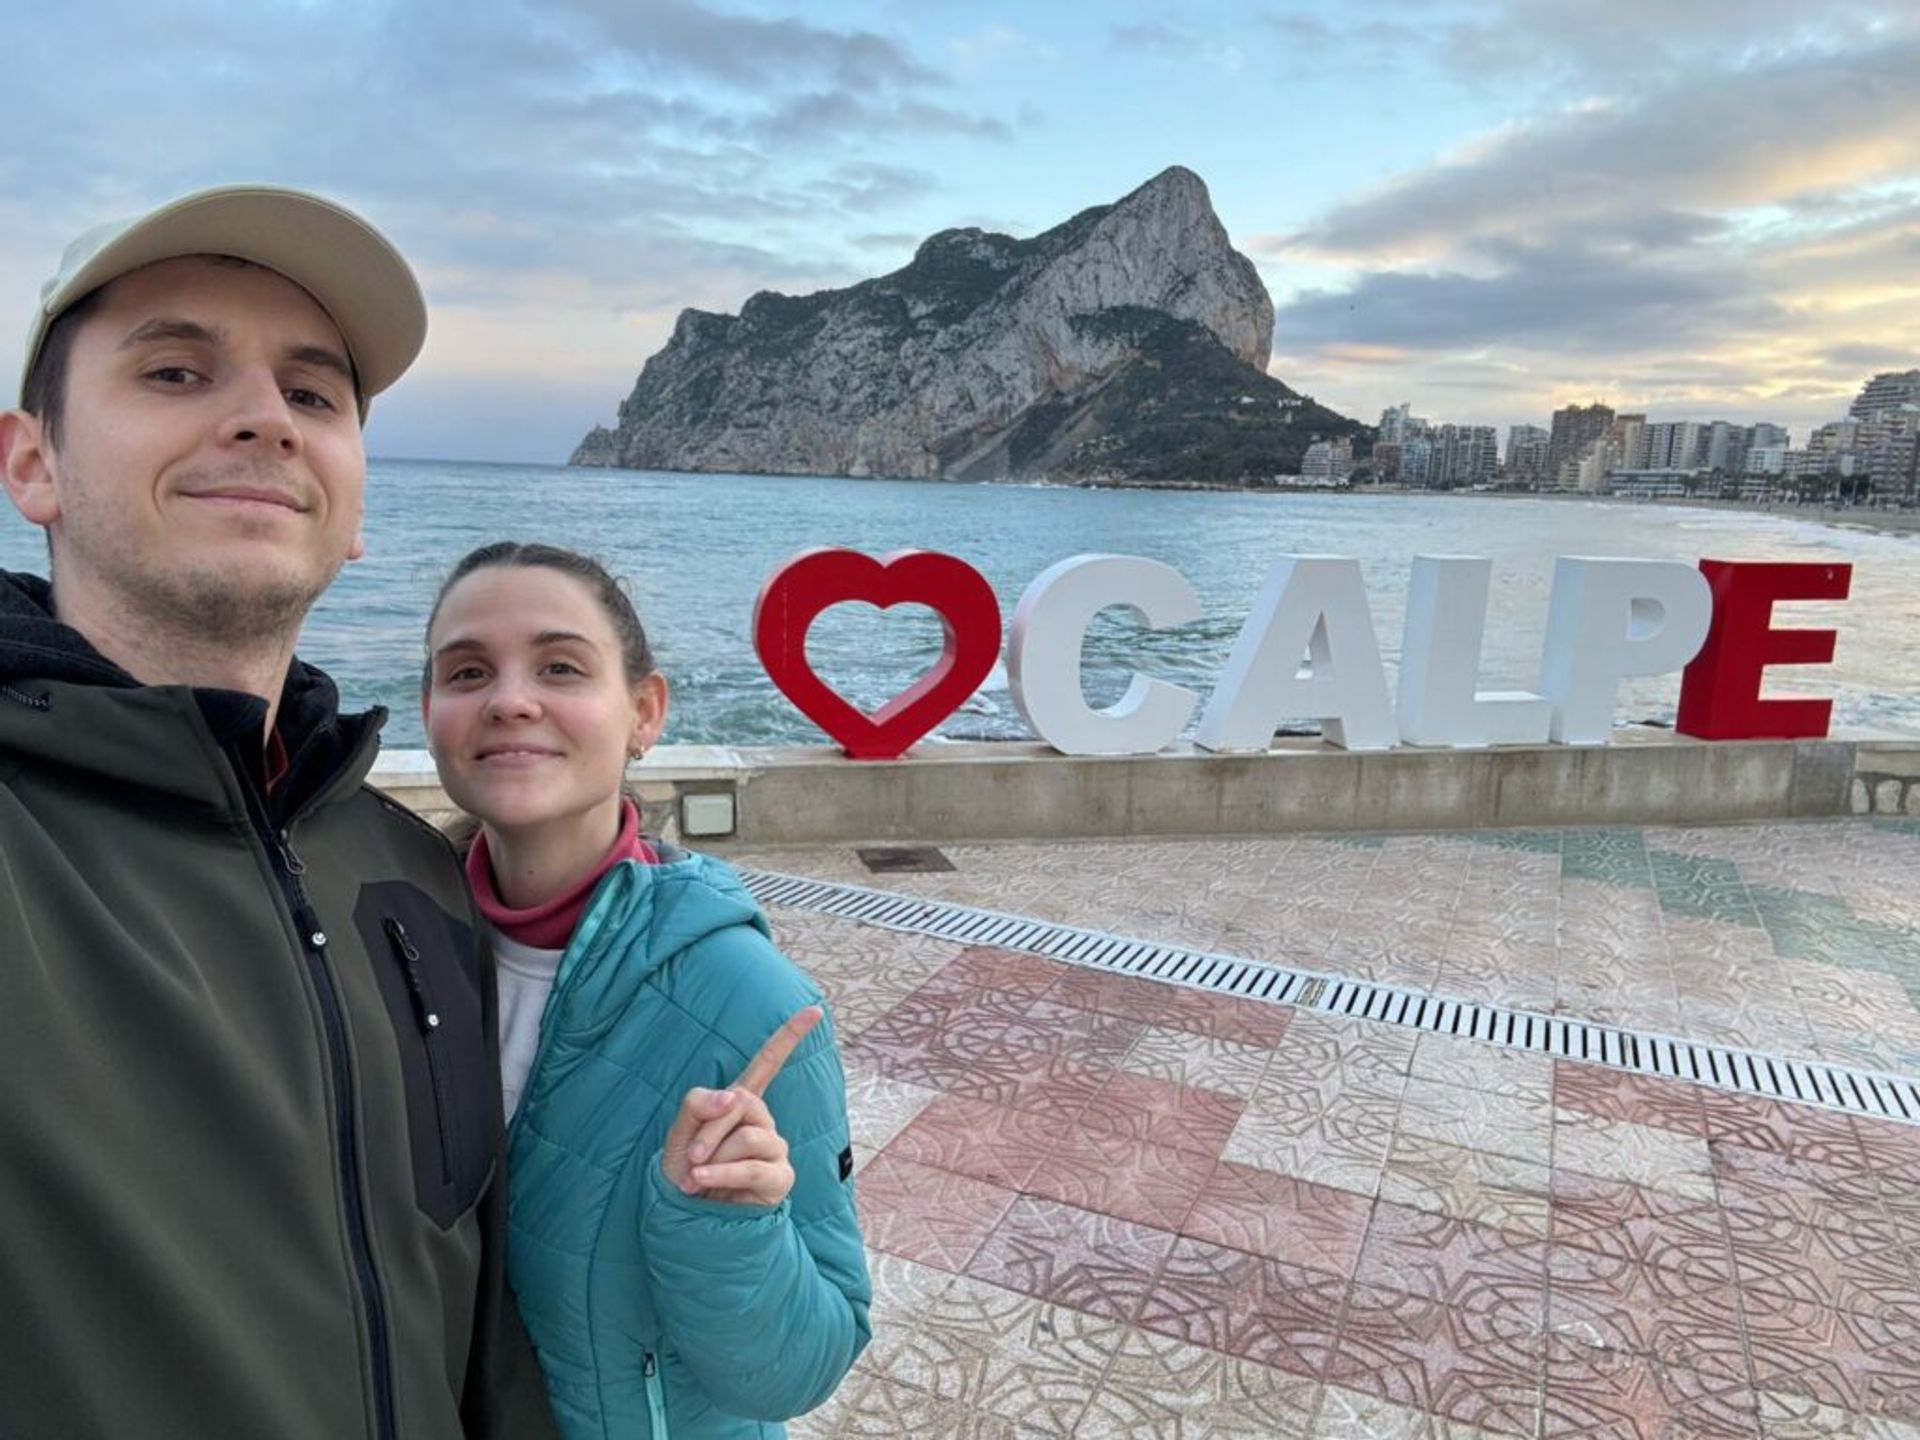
<point>642,914</point>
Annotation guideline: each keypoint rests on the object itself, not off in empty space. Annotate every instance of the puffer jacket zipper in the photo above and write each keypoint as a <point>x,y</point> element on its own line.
<point>656,1396</point>
<point>427,1016</point>
<point>287,868</point>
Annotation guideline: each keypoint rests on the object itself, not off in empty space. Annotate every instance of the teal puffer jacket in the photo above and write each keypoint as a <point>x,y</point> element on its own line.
<point>656,1314</point>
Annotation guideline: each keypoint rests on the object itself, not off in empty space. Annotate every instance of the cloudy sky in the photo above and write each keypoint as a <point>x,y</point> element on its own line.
<point>1700,208</point>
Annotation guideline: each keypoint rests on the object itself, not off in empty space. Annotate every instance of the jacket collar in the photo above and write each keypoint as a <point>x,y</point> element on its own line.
<point>64,703</point>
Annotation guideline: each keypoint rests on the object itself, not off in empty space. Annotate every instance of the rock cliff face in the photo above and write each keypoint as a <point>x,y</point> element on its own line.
<point>1128,343</point>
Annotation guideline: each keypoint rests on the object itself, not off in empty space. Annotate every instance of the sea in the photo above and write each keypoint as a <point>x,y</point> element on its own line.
<point>694,551</point>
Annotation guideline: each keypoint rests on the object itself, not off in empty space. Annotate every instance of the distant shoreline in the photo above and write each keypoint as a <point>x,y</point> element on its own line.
<point>1848,517</point>
<point>1872,519</point>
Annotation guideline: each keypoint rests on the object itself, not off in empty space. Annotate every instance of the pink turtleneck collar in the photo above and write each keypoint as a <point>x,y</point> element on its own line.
<point>549,925</point>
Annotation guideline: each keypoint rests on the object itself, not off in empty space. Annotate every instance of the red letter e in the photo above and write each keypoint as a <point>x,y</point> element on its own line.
<point>1720,694</point>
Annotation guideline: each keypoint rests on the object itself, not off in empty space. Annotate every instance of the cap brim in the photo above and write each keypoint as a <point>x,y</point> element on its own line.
<point>353,271</point>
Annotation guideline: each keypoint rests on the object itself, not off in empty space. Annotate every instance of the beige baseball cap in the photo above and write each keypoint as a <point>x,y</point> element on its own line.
<point>351,269</point>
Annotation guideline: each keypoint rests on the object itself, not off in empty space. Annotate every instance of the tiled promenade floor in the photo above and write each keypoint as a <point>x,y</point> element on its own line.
<point>1101,1206</point>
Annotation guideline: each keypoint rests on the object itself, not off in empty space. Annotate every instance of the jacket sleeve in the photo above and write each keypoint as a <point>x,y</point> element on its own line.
<point>504,1397</point>
<point>768,1307</point>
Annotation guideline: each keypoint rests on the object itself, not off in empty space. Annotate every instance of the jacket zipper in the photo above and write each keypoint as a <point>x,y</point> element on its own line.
<point>359,1242</point>
<point>32,702</point>
<point>428,1019</point>
<point>656,1398</point>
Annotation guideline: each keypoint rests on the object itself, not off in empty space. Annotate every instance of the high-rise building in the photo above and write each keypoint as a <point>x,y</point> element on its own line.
<point>1526,453</point>
<point>1328,461</point>
<point>1675,445</point>
<point>1726,448</point>
<point>1576,429</point>
<point>1393,422</point>
<point>1386,461</point>
<point>1463,456</point>
<point>1416,461</point>
<point>1888,390</point>
<point>1837,437</point>
<point>1893,465</point>
<point>1626,443</point>
<point>1764,436</point>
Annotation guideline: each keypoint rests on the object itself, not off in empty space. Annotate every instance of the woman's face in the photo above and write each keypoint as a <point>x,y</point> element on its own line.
<point>528,712</point>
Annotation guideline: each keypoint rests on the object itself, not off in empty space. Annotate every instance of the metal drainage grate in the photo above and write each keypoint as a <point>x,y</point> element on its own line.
<point>1838,1087</point>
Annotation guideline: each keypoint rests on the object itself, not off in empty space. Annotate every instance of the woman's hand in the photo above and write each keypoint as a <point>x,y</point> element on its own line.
<point>723,1144</point>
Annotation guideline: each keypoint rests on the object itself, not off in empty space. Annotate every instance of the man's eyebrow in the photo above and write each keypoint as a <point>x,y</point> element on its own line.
<point>324,358</point>
<point>167,327</point>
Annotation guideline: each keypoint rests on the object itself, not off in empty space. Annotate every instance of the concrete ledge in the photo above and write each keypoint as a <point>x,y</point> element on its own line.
<point>1026,791</point>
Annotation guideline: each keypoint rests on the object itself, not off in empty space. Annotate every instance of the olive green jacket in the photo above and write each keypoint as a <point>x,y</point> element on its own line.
<point>251,1174</point>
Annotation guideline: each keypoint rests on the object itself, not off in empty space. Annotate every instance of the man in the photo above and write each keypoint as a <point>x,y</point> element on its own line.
<point>250,1136</point>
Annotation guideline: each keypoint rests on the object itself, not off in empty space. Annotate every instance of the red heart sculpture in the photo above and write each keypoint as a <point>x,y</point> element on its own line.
<point>816,580</point>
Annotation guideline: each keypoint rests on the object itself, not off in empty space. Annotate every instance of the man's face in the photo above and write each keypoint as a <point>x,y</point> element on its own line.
<point>209,469</point>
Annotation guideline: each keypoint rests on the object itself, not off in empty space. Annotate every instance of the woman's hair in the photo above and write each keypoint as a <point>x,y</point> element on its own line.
<point>636,655</point>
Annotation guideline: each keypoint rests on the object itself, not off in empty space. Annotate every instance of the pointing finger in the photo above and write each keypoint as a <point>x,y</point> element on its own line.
<point>779,1047</point>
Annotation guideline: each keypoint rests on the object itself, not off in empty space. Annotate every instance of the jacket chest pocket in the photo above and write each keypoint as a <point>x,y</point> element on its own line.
<point>430,979</point>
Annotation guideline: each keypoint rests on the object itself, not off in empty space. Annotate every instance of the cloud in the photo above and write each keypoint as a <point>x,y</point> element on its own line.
<point>998,45</point>
<point>1751,137</point>
<point>570,164</point>
<point>1536,45</point>
<point>1170,46</point>
<point>1573,296</point>
<point>1871,357</point>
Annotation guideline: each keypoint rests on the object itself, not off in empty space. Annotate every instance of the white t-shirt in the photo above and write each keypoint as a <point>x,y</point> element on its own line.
<point>525,980</point>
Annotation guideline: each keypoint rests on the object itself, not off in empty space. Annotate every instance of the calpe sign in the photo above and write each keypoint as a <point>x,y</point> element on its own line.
<point>1308,651</point>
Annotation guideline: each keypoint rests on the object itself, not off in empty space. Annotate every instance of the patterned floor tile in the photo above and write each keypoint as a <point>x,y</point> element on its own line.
<point>1343,1144</point>
<point>932,1216</point>
<point>1160,1388</point>
<point>994,1143</point>
<point>1142,1108</point>
<point>1350,1415</point>
<point>1183,1058</point>
<point>1674,1246</point>
<point>1072,1257</point>
<point>1510,1125</point>
<point>1473,1066</point>
<point>1484,1368</point>
<point>1280,1217</point>
<point>1025,1363</point>
<point>1406,1235</point>
<point>1148,1184</point>
<point>1638,1099</point>
<point>1008,971</point>
<point>1866,1269</point>
<point>1659,1159</point>
<point>1633,1398</point>
<point>1279,1315</point>
<point>1457,1263</point>
<point>1771,1184</point>
<point>1468,1184</point>
<point>879,1109</point>
<point>876,1407</point>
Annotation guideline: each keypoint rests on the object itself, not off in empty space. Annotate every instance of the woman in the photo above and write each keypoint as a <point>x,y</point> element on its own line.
<point>682,1235</point>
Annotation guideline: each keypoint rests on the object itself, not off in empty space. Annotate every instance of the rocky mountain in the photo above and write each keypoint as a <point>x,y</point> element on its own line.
<point>1128,344</point>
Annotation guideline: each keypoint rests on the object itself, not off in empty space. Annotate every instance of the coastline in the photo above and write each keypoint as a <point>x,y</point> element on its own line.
<point>1871,519</point>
